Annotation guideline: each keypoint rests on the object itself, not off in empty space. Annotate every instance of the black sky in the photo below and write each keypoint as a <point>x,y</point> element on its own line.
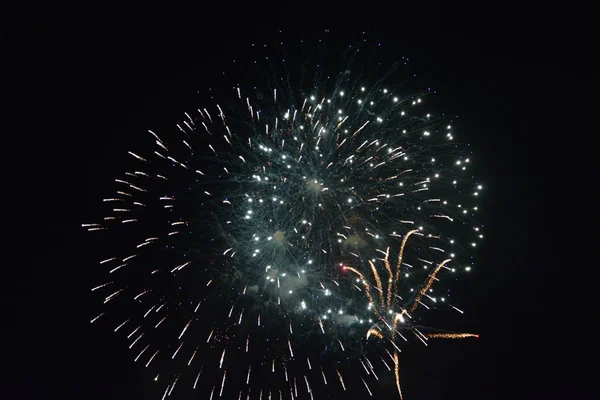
<point>96,78</point>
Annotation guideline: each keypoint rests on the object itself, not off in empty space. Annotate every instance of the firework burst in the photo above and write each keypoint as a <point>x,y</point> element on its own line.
<point>283,234</point>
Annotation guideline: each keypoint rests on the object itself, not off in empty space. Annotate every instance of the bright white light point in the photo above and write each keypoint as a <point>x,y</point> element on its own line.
<point>453,269</point>
<point>384,90</point>
<point>454,182</point>
<point>362,89</point>
<point>448,127</point>
<point>452,241</point>
<point>443,299</point>
<point>473,244</point>
<point>437,175</point>
<point>291,291</point>
<point>312,97</point>
<point>428,115</point>
<point>426,133</point>
<point>256,238</point>
<point>467,268</point>
<point>349,200</point>
<point>341,93</point>
<point>401,184</point>
<point>303,271</point>
<point>340,312</point>
<point>329,311</point>
<point>406,275</point>
<point>310,261</point>
<point>395,99</point>
<point>458,162</point>
<point>479,187</point>
<point>283,157</point>
<point>418,100</point>
<point>452,255</point>
<point>481,236</point>
<point>467,160</point>
<point>250,200</point>
<point>405,158</point>
<point>359,101</point>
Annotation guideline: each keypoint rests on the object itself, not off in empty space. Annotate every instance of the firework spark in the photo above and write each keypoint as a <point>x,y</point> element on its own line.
<point>277,226</point>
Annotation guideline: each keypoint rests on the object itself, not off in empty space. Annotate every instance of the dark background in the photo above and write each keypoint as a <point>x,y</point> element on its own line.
<point>87,82</point>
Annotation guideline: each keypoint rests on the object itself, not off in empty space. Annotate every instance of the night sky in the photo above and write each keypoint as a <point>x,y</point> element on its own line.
<point>110,74</point>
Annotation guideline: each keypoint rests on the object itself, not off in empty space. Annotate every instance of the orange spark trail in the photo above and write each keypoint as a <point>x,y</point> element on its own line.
<point>401,253</point>
<point>397,373</point>
<point>378,282</point>
<point>425,288</point>
<point>451,335</point>
<point>366,285</point>
<point>386,262</point>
